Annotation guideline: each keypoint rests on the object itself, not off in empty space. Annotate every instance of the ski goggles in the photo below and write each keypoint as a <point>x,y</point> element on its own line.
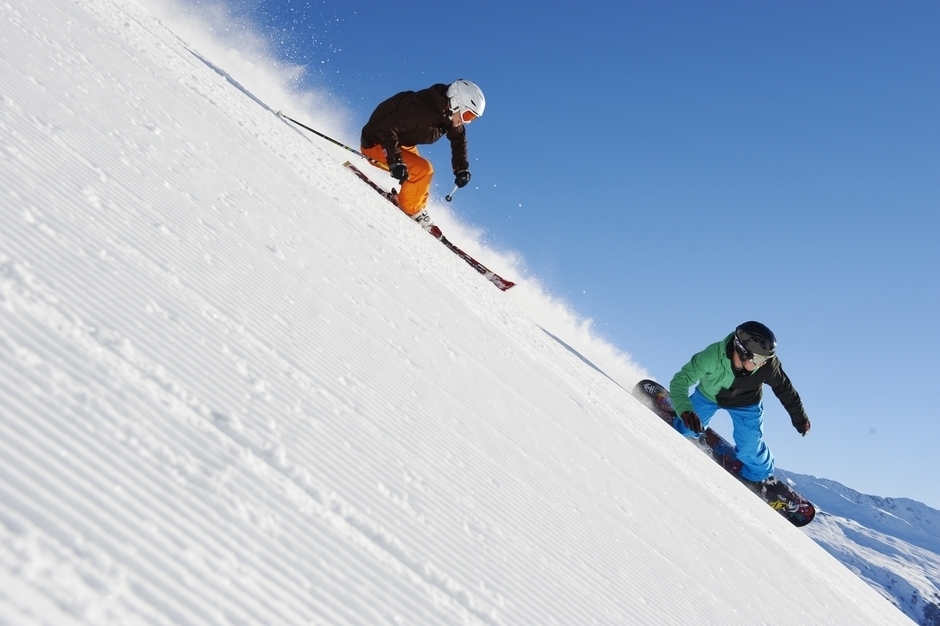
<point>467,116</point>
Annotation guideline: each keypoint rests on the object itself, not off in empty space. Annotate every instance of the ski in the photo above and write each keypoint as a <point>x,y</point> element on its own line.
<point>388,195</point>
<point>490,275</point>
<point>501,283</point>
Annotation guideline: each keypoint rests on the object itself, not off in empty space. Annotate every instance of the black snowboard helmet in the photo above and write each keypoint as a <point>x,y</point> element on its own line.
<point>753,339</point>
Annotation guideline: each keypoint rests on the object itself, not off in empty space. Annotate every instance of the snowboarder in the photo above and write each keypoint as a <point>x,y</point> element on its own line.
<point>730,374</point>
<point>411,118</point>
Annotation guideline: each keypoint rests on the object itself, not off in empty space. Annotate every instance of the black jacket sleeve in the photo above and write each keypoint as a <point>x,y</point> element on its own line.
<point>789,398</point>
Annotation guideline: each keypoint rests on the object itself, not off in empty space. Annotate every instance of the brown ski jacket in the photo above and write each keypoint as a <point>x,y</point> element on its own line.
<point>412,118</point>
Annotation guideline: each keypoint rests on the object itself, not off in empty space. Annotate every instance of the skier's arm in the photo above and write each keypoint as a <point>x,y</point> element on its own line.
<point>458,149</point>
<point>389,131</point>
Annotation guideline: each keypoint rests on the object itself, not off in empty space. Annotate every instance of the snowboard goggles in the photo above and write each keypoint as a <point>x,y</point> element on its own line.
<point>467,116</point>
<point>758,359</point>
<point>747,355</point>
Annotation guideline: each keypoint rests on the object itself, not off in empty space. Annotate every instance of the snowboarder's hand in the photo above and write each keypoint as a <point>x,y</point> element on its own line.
<point>463,177</point>
<point>397,169</point>
<point>803,427</point>
<point>691,421</point>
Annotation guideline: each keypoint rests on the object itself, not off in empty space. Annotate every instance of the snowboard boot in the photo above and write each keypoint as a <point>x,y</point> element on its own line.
<point>757,486</point>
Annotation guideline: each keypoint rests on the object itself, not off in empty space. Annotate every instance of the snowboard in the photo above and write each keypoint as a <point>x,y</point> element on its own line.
<point>780,496</point>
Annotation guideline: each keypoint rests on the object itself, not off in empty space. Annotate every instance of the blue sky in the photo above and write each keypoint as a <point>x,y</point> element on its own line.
<point>673,169</point>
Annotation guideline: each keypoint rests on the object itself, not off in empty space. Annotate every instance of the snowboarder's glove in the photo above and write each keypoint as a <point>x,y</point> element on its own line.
<point>397,169</point>
<point>691,421</point>
<point>463,177</point>
<point>803,427</point>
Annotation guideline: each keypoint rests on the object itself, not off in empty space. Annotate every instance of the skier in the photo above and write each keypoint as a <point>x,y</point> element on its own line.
<point>730,374</point>
<point>410,118</point>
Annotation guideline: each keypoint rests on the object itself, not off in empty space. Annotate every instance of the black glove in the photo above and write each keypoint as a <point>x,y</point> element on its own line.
<point>398,170</point>
<point>803,427</point>
<point>691,421</point>
<point>463,177</point>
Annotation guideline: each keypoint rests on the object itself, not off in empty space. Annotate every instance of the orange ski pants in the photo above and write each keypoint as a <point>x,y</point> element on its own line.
<point>414,192</point>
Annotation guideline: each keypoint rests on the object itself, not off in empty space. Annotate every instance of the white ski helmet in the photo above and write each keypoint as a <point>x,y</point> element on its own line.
<point>466,99</point>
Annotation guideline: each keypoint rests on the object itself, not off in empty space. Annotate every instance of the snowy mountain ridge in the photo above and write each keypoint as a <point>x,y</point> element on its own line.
<point>237,388</point>
<point>906,519</point>
<point>891,543</point>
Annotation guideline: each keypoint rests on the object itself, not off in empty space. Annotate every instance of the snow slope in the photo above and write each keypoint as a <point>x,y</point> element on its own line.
<point>237,389</point>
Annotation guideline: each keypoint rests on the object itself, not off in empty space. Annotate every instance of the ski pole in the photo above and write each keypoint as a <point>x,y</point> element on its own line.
<point>450,196</point>
<point>330,139</point>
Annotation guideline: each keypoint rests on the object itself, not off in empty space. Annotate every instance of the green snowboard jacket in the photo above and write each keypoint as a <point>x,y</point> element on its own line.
<point>712,370</point>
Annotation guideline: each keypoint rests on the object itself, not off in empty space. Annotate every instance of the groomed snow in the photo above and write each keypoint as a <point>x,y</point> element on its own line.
<point>237,388</point>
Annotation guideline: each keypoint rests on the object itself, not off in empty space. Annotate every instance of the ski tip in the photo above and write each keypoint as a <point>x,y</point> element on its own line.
<point>502,283</point>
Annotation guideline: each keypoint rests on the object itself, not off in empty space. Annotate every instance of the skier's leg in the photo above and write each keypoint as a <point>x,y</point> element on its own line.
<point>376,153</point>
<point>413,195</point>
<point>756,457</point>
<point>703,407</point>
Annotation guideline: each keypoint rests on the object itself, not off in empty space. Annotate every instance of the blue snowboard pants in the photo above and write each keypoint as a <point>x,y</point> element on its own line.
<point>748,423</point>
